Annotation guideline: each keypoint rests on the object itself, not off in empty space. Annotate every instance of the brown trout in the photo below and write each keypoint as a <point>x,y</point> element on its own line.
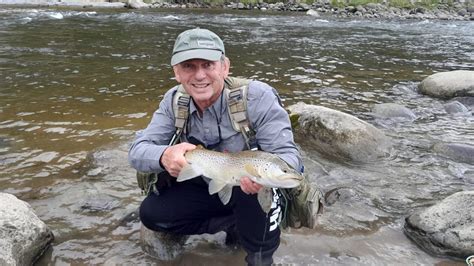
<point>225,170</point>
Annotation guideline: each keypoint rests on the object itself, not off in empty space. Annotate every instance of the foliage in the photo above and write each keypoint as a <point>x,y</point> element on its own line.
<point>401,3</point>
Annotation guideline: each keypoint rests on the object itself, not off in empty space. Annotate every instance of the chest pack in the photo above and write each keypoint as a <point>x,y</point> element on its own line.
<point>235,93</point>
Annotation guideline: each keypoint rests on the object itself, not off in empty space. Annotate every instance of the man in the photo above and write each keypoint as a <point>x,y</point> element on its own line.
<point>201,67</point>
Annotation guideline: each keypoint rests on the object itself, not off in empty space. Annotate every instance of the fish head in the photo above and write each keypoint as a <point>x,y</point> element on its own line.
<point>278,174</point>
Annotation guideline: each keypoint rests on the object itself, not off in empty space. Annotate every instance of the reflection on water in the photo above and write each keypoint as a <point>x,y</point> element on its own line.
<point>73,82</point>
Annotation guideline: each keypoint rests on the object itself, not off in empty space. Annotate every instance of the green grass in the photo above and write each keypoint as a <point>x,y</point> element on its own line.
<point>401,3</point>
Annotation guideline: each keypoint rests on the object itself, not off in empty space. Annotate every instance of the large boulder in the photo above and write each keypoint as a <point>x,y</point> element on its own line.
<point>336,133</point>
<point>447,228</point>
<point>23,236</point>
<point>448,84</point>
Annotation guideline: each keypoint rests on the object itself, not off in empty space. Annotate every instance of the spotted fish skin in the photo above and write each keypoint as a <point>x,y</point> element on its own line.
<point>226,169</point>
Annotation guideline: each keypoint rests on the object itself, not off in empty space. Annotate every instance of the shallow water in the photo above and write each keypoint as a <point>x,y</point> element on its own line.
<point>76,85</point>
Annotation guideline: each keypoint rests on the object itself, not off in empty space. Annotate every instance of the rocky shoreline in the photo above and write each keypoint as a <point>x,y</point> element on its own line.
<point>321,8</point>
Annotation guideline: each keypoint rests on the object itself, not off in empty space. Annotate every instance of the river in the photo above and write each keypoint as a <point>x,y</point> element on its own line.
<point>76,84</point>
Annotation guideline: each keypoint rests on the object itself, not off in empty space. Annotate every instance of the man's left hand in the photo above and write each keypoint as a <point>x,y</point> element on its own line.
<point>248,186</point>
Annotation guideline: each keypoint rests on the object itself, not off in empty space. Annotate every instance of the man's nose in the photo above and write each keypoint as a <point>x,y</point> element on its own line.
<point>200,73</point>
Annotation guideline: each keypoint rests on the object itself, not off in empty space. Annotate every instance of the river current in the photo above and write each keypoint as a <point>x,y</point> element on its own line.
<point>76,84</point>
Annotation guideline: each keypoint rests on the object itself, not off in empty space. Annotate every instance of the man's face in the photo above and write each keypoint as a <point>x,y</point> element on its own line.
<point>202,79</point>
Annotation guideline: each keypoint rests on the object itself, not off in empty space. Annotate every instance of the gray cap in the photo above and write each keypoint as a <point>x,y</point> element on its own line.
<point>197,44</point>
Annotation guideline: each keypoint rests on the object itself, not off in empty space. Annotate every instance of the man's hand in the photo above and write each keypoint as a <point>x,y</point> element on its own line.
<point>173,159</point>
<point>248,186</point>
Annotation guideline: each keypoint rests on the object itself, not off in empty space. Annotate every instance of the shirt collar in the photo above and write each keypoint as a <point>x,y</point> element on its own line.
<point>217,106</point>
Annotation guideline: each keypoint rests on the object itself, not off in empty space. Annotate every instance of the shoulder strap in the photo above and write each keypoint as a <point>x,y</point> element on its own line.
<point>236,94</point>
<point>181,111</point>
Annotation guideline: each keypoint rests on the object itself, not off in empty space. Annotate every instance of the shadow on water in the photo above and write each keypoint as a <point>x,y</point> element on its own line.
<point>76,85</point>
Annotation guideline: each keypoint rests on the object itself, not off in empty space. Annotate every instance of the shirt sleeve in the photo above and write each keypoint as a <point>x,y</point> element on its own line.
<point>272,124</point>
<point>150,143</point>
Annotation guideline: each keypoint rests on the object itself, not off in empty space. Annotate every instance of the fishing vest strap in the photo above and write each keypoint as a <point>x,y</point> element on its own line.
<point>237,103</point>
<point>181,112</point>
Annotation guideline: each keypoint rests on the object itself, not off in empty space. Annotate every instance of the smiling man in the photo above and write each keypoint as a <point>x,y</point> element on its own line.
<point>209,108</point>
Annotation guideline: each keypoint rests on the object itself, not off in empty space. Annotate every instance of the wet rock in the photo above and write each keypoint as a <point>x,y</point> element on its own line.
<point>457,151</point>
<point>162,246</point>
<point>23,236</point>
<point>313,13</point>
<point>98,203</point>
<point>349,211</point>
<point>455,107</point>
<point>448,84</point>
<point>447,228</point>
<point>137,4</point>
<point>466,101</point>
<point>392,110</point>
<point>336,133</point>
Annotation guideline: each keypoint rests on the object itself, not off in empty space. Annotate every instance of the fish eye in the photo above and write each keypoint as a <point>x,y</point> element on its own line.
<point>285,171</point>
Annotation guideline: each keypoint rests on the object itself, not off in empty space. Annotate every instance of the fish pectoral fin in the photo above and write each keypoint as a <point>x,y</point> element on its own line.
<point>225,194</point>
<point>265,199</point>
<point>188,172</point>
<point>251,170</point>
<point>216,186</point>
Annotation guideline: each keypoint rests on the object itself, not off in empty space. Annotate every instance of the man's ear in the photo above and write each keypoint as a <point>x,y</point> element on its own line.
<point>176,74</point>
<point>226,67</point>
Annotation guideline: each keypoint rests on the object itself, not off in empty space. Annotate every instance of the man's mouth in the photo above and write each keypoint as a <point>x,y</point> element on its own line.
<point>201,85</point>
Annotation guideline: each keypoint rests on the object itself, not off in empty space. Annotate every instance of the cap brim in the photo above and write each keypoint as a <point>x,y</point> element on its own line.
<point>206,54</point>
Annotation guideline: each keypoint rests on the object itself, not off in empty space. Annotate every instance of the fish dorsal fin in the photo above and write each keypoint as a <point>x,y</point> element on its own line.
<point>265,198</point>
<point>251,170</point>
<point>188,172</point>
<point>225,194</point>
<point>216,186</point>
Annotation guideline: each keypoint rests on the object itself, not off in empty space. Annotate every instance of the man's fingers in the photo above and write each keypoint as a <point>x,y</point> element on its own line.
<point>173,159</point>
<point>248,186</point>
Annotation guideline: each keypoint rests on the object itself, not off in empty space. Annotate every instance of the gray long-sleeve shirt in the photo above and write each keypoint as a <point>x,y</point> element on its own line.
<point>267,118</point>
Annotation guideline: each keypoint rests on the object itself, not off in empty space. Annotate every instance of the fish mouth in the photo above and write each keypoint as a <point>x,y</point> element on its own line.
<point>289,181</point>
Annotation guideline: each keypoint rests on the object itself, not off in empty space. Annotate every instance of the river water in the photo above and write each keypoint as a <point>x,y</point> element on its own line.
<point>76,84</point>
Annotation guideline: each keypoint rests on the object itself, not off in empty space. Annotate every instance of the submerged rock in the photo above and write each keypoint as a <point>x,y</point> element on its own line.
<point>455,107</point>
<point>447,228</point>
<point>336,133</point>
<point>448,84</point>
<point>166,246</point>
<point>393,110</point>
<point>23,236</point>
<point>456,151</point>
<point>466,101</point>
<point>348,211</point>
<point>163,246</point>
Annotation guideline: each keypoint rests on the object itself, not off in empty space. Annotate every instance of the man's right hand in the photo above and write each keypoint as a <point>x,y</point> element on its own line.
<point>173,159</point>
